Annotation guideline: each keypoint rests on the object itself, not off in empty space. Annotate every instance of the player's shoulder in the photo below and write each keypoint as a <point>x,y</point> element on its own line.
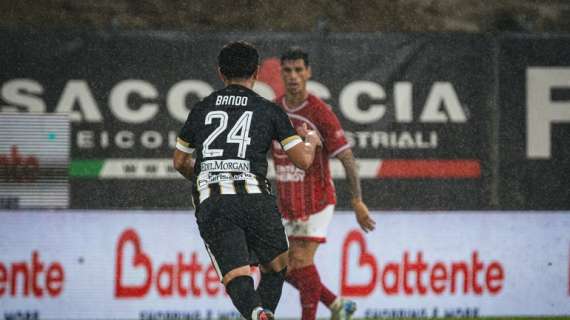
<point>258,99</point>
<point>317,102</point>
<point>207,101</point>
<point>319,107</point>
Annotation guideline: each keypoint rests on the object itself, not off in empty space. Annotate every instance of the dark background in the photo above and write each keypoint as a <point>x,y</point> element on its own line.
<point>483,45</point>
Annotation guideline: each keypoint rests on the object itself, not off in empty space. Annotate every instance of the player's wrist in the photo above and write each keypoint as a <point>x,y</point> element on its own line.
<point>356,200</point>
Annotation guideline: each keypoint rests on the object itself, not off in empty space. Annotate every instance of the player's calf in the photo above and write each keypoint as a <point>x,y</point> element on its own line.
<point>243,295</point>
<point>270,287</point>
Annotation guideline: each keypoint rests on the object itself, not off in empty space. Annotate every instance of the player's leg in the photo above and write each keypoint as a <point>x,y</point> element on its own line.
<point>341,308</point>
<point>227,246</point>
<point>302,258</point>
<point>272,279</point>
<point>304,276</point>
<point>233,268</point>
<point>240,287</point>
<point>266,237</point>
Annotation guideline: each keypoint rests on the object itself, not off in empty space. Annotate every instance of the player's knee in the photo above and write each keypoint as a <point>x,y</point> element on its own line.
<point>299,260</point>
<point>237,272</point>
<point>278,264</point>
<point>281,262</point>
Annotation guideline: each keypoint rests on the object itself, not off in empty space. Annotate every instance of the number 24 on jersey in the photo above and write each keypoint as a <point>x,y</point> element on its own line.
<point>239,133</point>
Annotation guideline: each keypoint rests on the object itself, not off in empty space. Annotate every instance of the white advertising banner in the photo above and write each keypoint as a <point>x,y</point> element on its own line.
<point>153,265</point>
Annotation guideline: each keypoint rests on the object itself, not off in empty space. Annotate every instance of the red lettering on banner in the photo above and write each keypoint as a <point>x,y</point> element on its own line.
<point>195,267</point>
<point>212,281</point>
<point>179,278</point>
<point>409,276</point>
<point>17,168</point>
<point>26,278</point>
<point>165,272</point>
<point>438,277</point>
<point>192,269</point>
<point>394,270</point>
<point>477,267</point>
<point>459,268</point>
<point>365,260</point>
<point>54,279</point>
<point>3,278</point>
<point>140,260</point>
<point>495,277</point>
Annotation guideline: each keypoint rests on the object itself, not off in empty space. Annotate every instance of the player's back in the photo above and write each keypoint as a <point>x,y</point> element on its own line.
<point>231,131</point>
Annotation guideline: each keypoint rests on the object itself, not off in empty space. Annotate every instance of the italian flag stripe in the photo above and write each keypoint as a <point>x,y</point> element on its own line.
<point>406,169</point>
<point>368,169</point>
<point>86,168</point>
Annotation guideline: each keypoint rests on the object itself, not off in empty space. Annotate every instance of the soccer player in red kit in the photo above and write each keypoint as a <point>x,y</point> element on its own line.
<point>306,198</point>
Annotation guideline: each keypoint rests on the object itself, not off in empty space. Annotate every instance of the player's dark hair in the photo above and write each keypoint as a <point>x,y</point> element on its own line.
<point>295,53</point>
<point>238,59</point>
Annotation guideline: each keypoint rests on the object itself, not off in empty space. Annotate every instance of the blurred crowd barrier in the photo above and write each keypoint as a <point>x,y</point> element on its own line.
<point>437,121</point>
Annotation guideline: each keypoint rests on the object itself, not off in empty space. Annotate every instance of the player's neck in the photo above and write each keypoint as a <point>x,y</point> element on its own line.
<point>295,99</point>
<point>248,83</point>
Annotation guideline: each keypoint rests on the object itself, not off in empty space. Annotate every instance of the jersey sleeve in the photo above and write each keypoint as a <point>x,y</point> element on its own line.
<point>185,140</point>
<point>331,131</point>
<point>284,132</point>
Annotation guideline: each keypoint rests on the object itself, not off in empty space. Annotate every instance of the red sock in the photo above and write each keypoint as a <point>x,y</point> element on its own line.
<point>308,282</point>
<point>327,296</point>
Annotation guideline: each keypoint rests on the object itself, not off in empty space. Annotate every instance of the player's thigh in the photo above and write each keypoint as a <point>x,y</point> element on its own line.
<point>302,253</point>
<point>312,228</point>
<point>265,233</point>
<point>224,239</point>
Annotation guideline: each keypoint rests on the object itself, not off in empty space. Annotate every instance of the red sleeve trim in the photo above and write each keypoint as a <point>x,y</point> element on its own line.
<point>314,239</point>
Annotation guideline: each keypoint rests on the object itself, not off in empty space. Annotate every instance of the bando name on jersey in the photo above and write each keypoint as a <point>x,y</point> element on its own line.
<point>231,101</point>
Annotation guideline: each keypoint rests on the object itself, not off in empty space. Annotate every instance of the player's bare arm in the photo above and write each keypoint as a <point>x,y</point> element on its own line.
<point>183,163</point>
<point>360,209</point>
<point>303,154</point>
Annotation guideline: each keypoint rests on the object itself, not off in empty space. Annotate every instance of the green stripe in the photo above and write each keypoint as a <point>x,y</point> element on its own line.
<point>86,168</point>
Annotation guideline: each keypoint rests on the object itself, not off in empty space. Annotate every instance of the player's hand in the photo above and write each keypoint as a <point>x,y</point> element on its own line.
<point>310,136</point>
<point>302,130</point>
<point>362,215</point>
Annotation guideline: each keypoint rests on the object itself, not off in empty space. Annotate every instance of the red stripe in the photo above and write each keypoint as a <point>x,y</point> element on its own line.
<point>400,168</point>
<point>307,238</point>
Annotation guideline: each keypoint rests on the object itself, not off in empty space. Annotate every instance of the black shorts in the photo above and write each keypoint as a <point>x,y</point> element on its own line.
<point>241,230</point>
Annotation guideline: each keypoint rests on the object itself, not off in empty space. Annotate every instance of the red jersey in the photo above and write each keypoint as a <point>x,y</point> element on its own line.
<point>303,193</point>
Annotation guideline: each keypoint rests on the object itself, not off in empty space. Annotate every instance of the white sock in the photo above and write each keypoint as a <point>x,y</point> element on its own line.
<point>336,305</point>
<point>256,312</point>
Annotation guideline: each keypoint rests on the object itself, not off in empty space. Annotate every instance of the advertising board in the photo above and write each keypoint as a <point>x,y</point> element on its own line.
<point>415,108</point>
<point>141,265</point>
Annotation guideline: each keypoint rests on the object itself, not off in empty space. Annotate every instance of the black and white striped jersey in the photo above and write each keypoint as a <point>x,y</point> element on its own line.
<point>230,132</point>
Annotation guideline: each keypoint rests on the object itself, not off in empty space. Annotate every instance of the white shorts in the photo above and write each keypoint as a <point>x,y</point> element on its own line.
<point>314,228</point>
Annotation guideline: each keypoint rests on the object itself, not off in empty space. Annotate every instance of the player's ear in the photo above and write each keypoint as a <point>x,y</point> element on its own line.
<point>221,75</point>
<point>309,72</point>
<point>255,73</point>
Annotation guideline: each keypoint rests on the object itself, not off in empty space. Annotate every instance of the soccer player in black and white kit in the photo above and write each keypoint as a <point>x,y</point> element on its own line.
<point>230,132</point>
